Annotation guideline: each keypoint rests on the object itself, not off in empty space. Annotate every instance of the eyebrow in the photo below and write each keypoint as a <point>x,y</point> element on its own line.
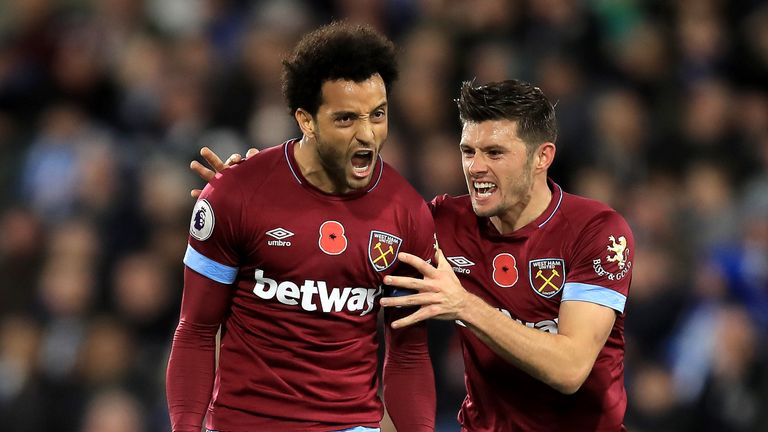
<point>381,105</point>
<point>338,114</point>
<point>482,147</point>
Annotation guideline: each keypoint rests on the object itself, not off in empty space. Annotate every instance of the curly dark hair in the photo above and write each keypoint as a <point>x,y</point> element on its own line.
<point>513,100</point>
<point>335,51</point>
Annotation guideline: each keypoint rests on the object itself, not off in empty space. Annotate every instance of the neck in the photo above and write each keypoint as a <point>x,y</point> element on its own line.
<point>313,170</point>
<point>527,210</point>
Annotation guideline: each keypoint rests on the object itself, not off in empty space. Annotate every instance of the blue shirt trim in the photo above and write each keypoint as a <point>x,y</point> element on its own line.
<point>209,268</point>
<point>360,429</point>
<point>594,294</point>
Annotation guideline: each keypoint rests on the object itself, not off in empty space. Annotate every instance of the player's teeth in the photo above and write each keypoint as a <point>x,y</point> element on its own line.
<point>484,185</point>
<point>484,189</point>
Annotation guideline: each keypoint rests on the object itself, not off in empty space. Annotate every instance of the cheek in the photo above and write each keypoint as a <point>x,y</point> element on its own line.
<point>382,132</point>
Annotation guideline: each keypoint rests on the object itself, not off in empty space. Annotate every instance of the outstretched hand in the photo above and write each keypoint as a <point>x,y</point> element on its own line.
<point>215,164</point>
<point>439,293</point>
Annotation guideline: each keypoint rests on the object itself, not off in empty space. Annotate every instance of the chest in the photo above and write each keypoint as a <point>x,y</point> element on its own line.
<point>341,242</point>
<point>523,278</point>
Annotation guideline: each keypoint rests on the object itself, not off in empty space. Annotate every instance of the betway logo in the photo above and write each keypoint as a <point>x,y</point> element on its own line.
<point>312,295</point>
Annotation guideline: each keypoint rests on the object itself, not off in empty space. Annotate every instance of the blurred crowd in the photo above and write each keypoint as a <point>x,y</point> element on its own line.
<point>663,114</point>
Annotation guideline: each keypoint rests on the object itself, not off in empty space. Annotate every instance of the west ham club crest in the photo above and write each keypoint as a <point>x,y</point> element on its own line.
<point>547,276</point>
<point>382,249</point>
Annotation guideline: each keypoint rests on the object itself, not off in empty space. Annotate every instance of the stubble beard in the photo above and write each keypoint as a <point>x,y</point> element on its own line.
<point>333,162</point>
<point>520,193</point>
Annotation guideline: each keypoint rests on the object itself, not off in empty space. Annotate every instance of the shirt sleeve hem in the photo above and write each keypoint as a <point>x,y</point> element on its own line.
<point>594,294</point>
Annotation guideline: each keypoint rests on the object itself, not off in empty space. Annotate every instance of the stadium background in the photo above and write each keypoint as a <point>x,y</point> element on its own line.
<point>663,113</point>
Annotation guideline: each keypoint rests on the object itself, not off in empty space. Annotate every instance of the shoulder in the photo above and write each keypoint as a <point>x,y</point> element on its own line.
<point>582,211</point>
<point>395,185</point>
<point>258,164</point>
<point>445,205</point>
<point>252,171</point>
<point>593,223</point>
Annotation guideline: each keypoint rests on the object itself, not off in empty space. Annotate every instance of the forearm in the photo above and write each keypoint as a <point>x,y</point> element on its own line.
<point>409,382</point>
<point>552,358</point>
<point>190,374</point>
<point>192,364</point>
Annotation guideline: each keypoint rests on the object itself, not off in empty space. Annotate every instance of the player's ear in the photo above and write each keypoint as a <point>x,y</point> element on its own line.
<point>305,121</point>
<point>544,156</point>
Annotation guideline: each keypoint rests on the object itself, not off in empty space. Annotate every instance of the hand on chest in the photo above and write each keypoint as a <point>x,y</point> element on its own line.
<point>509,272</point>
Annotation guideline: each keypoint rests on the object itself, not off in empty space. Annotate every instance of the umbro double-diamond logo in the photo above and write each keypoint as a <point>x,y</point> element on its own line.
<point>279,235</point>
<point>459,263</point>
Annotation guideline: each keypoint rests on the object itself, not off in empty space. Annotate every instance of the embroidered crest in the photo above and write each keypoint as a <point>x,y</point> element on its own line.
<point>547,276</point>
<point>619,251</point>
<point>382,249</point>
<point>618,254</point>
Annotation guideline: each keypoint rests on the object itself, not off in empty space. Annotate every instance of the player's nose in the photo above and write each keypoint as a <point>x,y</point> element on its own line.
<point>477,166</point>
<point>365,133</point>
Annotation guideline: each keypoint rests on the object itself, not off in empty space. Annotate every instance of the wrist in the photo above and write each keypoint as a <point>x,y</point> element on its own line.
<point>469,307</point>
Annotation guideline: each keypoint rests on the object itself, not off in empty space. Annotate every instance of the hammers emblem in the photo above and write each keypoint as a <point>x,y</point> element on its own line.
<point>547,276</point>
<point>383,254</point>
<point>547,281</point>
<point>382,249</point>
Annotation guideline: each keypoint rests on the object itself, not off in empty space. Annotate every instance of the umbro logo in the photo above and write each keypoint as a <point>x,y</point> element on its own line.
<point>459,262</point>
<point>279,234</point>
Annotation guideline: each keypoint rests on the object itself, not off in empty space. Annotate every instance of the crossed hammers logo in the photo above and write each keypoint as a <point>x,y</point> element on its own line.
<point>547,281</point>
<point>383,254</point>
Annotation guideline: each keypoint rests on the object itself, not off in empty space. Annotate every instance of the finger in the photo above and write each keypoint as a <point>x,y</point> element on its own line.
<point>408,300</point>
<point>416,317</point>
<point>442,263</point>
<point>233,159</point>
<point>405,282</point>
<point>213,159</point>
<point>251,152</point>
<point>419,264</point>
<point>195,193</point>
<point>202,171</point>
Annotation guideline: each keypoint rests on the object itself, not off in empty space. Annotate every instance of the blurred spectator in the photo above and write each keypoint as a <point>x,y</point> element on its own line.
<point>21,252</point>
<point>21,395</point>
<point>113,411</point>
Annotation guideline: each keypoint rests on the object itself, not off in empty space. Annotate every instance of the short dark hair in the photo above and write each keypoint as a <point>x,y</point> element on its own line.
<point>335,51</point>
<point>513,100</point>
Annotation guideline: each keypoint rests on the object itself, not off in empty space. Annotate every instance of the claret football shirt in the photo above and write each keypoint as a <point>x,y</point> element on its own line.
<point>576,250</point>
<point>299,345</point>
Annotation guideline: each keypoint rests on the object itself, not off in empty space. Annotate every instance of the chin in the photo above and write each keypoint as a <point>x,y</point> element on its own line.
<point>482,211</point>
<point>356,183</point>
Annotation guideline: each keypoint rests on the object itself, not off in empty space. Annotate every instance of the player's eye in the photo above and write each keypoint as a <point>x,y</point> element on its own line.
<point>344,119</point>
<point>378,115</point>
<point>467,152</point>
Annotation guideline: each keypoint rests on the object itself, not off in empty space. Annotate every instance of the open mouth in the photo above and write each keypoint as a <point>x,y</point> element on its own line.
<point>484,189</point>
<point>362,161</point>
